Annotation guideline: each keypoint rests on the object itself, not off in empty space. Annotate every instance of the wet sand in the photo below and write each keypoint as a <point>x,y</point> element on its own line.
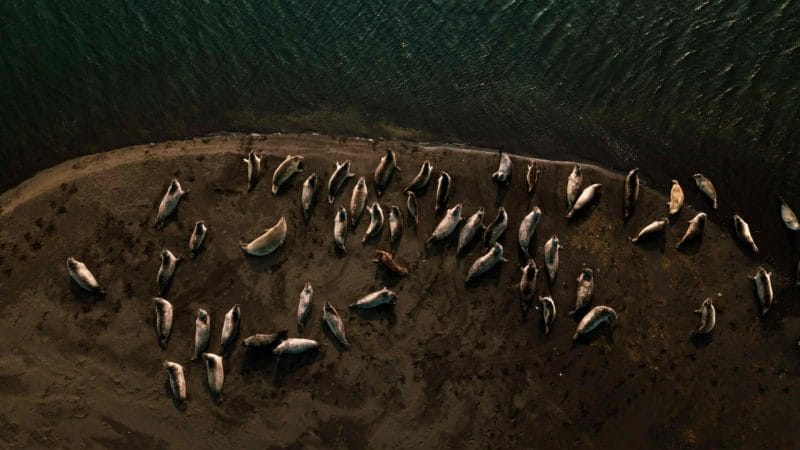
<point>448,366</point>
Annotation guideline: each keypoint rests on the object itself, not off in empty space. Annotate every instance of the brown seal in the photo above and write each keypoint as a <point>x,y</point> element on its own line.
<point>385,259</point>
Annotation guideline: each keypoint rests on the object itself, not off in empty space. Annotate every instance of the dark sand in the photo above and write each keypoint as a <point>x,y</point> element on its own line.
<point>449,366</point>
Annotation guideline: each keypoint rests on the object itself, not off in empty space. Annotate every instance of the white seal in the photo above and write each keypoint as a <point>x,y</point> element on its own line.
<point>586,197</point>
<point>331,318</point>
<point>230,327</point>
<point>166,270</point>
<point>422,178</point>
<point>253,162</point>
<point>272,239</point>
<point>295,346</point>
<point>548,313</point>
<point>503,173</point>
<point>496,228</point>
<point>177,381</point>
<point>594,318</point>
<point>527,228</point>
<point>708,318</point>
<point>470,229</point>
<point>163,320</point>
<point>169,202</point>
<point>675,202</point>
<point>81,275</point>
<point>358,200</point>
<point>383,173</point>
<point>338,177</point>
<point>290,166</point>
<point>215,372</point>
<point>374,299</point>
<point>309,194</point>
<point>574,185</point>
<point>375,222</point>
<point>447,225</point>
<point>202,332</point>
<point>655,227</point>
<point>304,304</point>
<point>706,187</point>
<point>488,260</point>
<point>198,237</point>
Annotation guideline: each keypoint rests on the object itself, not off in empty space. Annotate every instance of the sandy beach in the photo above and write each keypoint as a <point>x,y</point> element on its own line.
<point>449,366</point>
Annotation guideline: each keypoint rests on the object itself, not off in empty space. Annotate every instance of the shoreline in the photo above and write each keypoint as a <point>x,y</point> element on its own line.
<point>459,359</point>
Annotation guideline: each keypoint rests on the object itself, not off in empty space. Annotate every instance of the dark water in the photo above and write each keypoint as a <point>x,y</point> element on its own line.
<point>707,86</point>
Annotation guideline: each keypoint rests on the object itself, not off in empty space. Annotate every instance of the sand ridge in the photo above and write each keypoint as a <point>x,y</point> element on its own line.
<point>449,365</point>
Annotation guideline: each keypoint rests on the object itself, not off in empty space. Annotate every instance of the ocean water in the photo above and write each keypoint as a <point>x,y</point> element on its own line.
<point>674,88</point>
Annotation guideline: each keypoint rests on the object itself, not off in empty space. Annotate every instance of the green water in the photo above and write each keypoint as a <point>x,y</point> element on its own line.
<point>672,87</point>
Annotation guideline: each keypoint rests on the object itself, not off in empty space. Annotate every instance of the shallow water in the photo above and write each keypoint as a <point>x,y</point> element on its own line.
<point>676,89</point>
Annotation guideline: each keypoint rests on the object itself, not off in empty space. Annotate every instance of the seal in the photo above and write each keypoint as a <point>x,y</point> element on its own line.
<point>202,332</point>
<point>496,228</point>
<point>260,341</point>
<point>706,187</point>
<point>295,346</point>
<point>574,185</point>
<point>395,225</point>
<point>551,248</point>
<point>230,328</point>
<point>526,229</point>
<point>586,197</point>
<point>214,372</point>
<point>422,178</point>
<point>271,240</point>
<point>447,225</point>
<point>488,260</point>
<point>358,200</point>
<point>411,205</point>
<point>788,216</point>
<point>631,193</point>
<point>655,227</point>
<point>527,285</point>
<point>309,195</point>
<point>675,202</point>
<point>383,173</point>
<point>470,229</point>
<point>374,299</point>
<point>385,260</point>
<point>442,191</point>
<point>548,313</point>
<point>163,320</point>
<point>594,318</point>
<point>708,318</point>
<point>197,238</point>
<point>331,318</point>
<point>695,228</point>
<point>743,231</point>
<point>532,177</point>
<point>169,202</point>
<point>165,272</point>
<point>338,177</point>
<point>340,229</point>
<point>290,166</point>
<point>304,304</point>
<point>177,381</point>
<point>763,284</point>
<point>503,174</point>
<point>253,170</point>
<point>375,222</point>
<point>585,291</point>
<point>83,277</point>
